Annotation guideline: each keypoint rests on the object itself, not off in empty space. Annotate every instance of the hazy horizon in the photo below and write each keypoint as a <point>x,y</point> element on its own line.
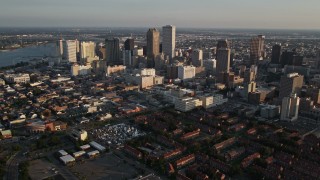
<point>212,14</point>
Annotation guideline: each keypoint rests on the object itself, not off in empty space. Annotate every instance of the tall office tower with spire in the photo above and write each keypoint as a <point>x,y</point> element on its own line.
<point>169,40</point>
<point>276,54</point>
<point>113,52</point>
<point>257,49</point>
<point>70,50</point>
<point>87,50</point>
<point>153,43</point>
<point>223,60</point>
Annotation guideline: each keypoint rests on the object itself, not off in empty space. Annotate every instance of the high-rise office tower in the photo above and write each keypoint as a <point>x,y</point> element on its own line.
<point>223,44</point>
<point>129,44</point>
<point>197,58</point>
<point>257,49</point>
<point>287,57</point>
<point>153,43</point>
<point>169,40</point>
<point>290,84</point>
<point>87,50</point>
<point>290,108</point>
<point>113,52</point>
<point>70,50</point>
<point>276,54</point>
<point>223,60</point>
<point>127,58</point>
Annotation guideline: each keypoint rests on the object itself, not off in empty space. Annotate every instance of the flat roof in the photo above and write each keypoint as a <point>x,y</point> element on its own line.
<point>67,158</point>
<point>63,152</point>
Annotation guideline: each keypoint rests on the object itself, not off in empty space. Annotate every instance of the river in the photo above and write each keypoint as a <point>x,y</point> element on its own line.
<point>11,57</point>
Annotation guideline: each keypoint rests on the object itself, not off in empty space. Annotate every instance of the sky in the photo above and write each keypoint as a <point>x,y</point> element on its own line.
<point>258,14</point>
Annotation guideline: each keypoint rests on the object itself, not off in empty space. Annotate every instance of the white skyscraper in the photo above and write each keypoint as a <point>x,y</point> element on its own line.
<point>169,40</point>
<point>70,50</point>
<point>87,50</point>
<point>290,108</point>
<point>60,47</point>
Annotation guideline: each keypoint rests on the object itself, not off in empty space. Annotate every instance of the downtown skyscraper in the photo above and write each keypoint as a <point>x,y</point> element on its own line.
<point>153,43</point>
<point>257,49</point>
<point>113,52</point>
<point>169,40</point>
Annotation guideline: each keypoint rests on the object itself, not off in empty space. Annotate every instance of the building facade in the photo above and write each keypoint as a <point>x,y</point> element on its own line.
<point>290,108</point>
<point>257,50</point>
<point>113,51</point>
<point>70,50</point>
<point>169,40</point>
<point>290,84</point>
<point>153,43</point>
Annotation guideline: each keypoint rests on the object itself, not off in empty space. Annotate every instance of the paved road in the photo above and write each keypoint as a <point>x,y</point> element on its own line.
<point>12,166</point>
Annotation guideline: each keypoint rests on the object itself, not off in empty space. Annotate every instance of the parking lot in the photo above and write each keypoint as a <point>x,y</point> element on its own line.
<point>115,134</point>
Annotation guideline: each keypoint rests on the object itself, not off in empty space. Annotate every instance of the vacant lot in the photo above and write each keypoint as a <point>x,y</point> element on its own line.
<point>41,169</point>
<point>107,166</point>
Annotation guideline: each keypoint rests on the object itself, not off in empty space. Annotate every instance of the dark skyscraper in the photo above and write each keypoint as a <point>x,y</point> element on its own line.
<point>129,44</point>
<point>223,44</point>
<point>113,52</point>
<point>153,43</point>
<point>257,49</point>
<point>289,58</point>
<point>276,54</point>
<point>223,60</point>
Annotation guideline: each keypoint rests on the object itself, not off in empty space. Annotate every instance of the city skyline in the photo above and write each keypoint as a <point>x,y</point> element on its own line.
<point>186,14</point>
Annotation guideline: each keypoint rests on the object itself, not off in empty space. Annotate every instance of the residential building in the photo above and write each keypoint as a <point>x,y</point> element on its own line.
<point>87,51</point>
<point>70,50</point>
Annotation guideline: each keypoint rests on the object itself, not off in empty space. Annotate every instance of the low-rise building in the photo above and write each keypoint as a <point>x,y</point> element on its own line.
<point>97,146</point>
<point>2,82</point>
<point>269,111</point>
<point>67,159</point>
<point>187,104</point>
<point>79,135</point>
<point>18,78</point>
<point>185,160</point>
